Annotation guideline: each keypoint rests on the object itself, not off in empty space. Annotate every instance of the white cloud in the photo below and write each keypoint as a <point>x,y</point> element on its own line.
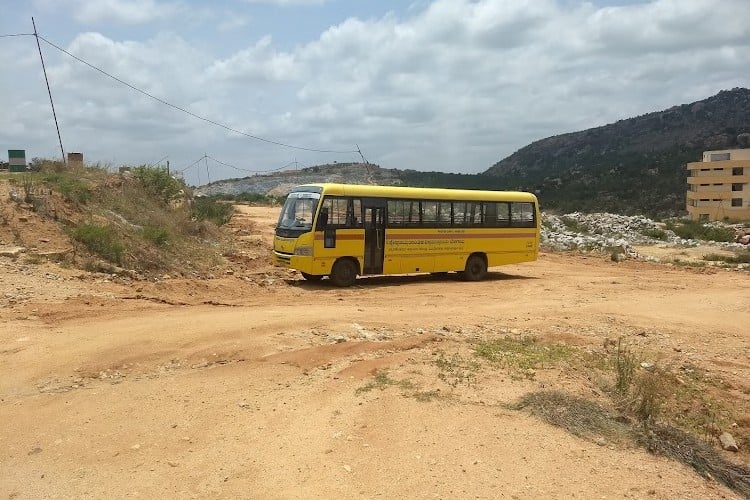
<point>257,63</point>
<point>287,2</point>
<point>455,86</point>
<point>117,11</point>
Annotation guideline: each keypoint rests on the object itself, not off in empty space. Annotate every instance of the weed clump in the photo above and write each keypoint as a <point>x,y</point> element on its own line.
<point>696,230</point>
<point>521,356</point>
<point>101,240</point>
<point>581,417</point>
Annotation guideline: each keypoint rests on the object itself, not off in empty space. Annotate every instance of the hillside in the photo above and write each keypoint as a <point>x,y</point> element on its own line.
<point>633,165</point>
<point>279,183</point>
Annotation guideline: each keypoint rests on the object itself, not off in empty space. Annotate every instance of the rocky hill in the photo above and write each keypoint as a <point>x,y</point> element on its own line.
<point>635,165</point>
<point>279,183</point>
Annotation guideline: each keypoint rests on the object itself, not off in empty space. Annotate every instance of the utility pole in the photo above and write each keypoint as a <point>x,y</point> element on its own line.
<point>208,174</point>
<point>51,102</point>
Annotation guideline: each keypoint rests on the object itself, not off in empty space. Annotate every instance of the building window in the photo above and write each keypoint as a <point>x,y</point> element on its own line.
<point>703,217</point>
<point>719,156</point>
<point>737,171</point>
<point>719,169</point>
<point>736,202</point>
<point>705,170</point>
<point>737,187</point>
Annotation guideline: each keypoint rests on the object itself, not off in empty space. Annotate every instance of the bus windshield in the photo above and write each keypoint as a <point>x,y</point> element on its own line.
<point>298,211</point>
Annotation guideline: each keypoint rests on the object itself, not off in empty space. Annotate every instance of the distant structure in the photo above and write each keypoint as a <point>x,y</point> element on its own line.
<point>719,186</point>
<point>16,160</point>
<point>75,160</point>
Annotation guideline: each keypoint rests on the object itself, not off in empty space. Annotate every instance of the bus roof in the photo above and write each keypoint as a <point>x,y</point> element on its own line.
<point>364,190</point>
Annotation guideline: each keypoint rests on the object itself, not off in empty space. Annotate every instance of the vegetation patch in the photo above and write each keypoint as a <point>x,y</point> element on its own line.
<point>456,369</point>
<point>681,446</point>
<point>157,235</point>
<point>581,417</point>
<point>522,356</point>
<point>75,190</point>
<point>382,381</point>
<point>738,258</point>
<point>141,220</point>
<point>158,182</point>
<point>574,226</point>
<point>101,240</point>
<point>696,230</point>
<point>211,209</point>
<point>655,233</point>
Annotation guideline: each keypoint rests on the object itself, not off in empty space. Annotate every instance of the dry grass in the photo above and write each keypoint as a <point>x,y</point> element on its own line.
<point>581,417</point>
<point>683,447</point>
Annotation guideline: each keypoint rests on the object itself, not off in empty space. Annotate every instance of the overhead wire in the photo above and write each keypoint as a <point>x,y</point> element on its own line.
<point>194,115</point>
<point>251,171</point>
<point>16,34</point>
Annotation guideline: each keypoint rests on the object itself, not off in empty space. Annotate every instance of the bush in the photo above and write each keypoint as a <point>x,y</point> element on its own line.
<point>740,258</point>
<point>101,240</point>
<point>158,182</point>
<point>156,235</point>
<point>212,210</point>
<point>657,234</point>
<point>695,230</point>
<point>72,189</point>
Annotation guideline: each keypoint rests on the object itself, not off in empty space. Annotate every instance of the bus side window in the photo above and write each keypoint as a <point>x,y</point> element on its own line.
<point>475,214</point>
<point>503,214</point>
<point>522,215</point>
<point>490,214</point>
<point>325,210</point>
<point>354,213</point>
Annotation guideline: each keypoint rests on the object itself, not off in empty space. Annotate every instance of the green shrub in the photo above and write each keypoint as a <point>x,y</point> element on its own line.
<point>156,235</point>
<point>657,234</point>
<point>574,226</point>
<point>212,210</point>
<point>158,182</point>
<point>101,240</point>
<point>72,189</point>
<point>695,230</point>
<point>740,258</point>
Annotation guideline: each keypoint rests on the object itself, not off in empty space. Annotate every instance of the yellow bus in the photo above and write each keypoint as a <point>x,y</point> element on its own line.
<point>345,230</point>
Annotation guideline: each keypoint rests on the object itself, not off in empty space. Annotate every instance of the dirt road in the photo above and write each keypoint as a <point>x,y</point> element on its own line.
<point>258,385</point>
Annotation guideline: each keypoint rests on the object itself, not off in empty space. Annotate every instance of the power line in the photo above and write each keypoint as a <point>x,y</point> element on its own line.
<point>194,115</point>
<point>16,34</point>
<point>251,171</point>
<point>192,164</point>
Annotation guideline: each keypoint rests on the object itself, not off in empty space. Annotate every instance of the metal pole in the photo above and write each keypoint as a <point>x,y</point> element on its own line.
<point>44,69</point>
<point>208,174</point>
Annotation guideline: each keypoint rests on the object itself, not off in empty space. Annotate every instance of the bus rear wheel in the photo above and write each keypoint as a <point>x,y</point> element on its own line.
<point>476,268</point>
<point>312,277</point>
<point>344,272</point>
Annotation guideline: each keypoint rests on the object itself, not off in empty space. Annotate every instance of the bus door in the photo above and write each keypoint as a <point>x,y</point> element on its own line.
<point>374,218</point>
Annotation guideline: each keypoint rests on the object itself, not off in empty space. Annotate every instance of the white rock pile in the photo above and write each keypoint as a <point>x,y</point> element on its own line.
<point>609,232</point>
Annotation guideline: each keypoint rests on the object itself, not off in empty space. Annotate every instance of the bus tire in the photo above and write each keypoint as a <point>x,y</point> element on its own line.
<point>312,277</point>
<point>344,272</point>
<point>476,268</point>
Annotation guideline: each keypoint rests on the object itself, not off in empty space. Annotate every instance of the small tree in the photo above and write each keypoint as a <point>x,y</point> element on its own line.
<point>158,182</point>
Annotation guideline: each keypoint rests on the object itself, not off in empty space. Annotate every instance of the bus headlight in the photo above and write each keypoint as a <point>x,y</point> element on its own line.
<point>303,250</point>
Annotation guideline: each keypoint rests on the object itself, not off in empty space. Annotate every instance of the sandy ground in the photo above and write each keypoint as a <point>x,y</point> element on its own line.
<point>255,384</point>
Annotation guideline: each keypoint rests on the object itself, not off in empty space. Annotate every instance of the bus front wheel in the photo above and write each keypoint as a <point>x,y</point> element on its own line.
<point>344,272</point>
<point>312,277</point>
<point>476,268</point>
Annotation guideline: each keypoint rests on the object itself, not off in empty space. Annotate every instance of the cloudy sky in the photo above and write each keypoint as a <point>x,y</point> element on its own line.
<point>449,85</point>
